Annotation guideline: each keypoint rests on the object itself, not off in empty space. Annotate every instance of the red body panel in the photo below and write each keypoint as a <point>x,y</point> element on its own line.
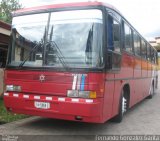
<point>90,112</point>
<point>55,85</point>
<point>107,85</point>
<point>65,5</point>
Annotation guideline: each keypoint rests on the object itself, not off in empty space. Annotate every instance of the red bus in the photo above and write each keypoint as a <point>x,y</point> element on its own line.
<point>77,61</point>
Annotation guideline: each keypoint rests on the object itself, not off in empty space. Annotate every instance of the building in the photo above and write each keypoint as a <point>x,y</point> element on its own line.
<point>4,41</point>
<point>155,42</point>
<point>5,31</point>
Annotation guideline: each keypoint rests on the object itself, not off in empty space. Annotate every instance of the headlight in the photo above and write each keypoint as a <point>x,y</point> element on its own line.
<point>82,94</point>
<point>72,93</point>
<point>13,88</point>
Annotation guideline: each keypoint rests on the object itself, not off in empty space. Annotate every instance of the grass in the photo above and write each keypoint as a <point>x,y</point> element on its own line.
<point>6,117</point>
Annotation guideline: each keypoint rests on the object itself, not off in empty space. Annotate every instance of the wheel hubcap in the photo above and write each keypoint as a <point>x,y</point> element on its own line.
<point>124,105</point>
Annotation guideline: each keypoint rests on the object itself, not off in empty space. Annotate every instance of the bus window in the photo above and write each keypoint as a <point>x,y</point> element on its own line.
<point>116,35</point>
<point>158,54</point>
<point>152,55</point>
<point>156,57</point>
<point>113,34</point>
<point>148,53</point>
<point>144,49</point>
<point>110,33</point>
<point>113,41</point>
<point>128,38</point>
<point>137,44</point>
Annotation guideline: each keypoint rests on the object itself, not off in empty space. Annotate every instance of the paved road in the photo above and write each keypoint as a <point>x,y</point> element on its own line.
<point>143,118</point>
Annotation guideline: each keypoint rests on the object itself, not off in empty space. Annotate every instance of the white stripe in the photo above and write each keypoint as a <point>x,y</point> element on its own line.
<point>74,82</point>
<point>25,96</point>
<point>6,94</point>
<point>36,97</point>
<point>48,98</point>
<point>75,100</point>
<point>89,100</point>
<point>79,81</point>
<point>61,99</point>
<point>16,95</point>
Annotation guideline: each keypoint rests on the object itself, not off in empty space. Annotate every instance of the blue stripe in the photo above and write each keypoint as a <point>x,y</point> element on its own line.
<point>82,82</point>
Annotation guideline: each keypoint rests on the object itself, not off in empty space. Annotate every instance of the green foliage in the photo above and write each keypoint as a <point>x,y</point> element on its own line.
<point>6,117</point>
<point>6,8</point>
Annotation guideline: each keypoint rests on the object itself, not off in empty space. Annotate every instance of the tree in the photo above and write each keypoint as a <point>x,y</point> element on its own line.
<point>6,9</point>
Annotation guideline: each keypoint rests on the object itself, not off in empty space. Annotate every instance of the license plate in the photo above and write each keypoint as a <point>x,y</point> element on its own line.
<point>42,105</point>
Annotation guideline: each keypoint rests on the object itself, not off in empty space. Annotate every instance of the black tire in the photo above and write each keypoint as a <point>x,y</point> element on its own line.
<point>123,102</point>
<point>151,92</point>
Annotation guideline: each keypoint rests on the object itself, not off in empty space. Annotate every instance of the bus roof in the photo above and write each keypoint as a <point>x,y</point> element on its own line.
<point>64,5</point>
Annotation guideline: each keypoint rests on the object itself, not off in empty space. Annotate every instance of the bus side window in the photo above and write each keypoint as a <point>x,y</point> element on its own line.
<point>128,38</point>
<point>137,44</point>
<point>155,56</point>
<point>116,35</point>
<point>152,55</point>
<point>110,33</point>
<point>143,49</point>
<point>113,34</point>
<point>113,41</point>
<point>148,53</point>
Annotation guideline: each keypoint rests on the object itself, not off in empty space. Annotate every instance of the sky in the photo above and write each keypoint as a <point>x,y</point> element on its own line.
<point>144,15</point>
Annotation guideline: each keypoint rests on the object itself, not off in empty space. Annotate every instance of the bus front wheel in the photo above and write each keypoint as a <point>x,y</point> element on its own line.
<point>122,108</point>
<point>152,91</point>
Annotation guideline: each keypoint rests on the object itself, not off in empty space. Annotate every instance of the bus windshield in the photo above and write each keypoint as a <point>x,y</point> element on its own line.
<point>58,39</point>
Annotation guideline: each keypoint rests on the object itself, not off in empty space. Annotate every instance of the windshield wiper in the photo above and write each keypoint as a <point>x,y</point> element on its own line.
<point>33,50</point>
<point>59,54</point>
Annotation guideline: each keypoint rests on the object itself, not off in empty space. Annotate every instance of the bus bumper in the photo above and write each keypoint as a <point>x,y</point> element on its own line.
<point>75,109</point>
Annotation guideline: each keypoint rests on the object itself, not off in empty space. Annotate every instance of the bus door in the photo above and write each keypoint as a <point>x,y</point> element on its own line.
<point>112,87</point>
